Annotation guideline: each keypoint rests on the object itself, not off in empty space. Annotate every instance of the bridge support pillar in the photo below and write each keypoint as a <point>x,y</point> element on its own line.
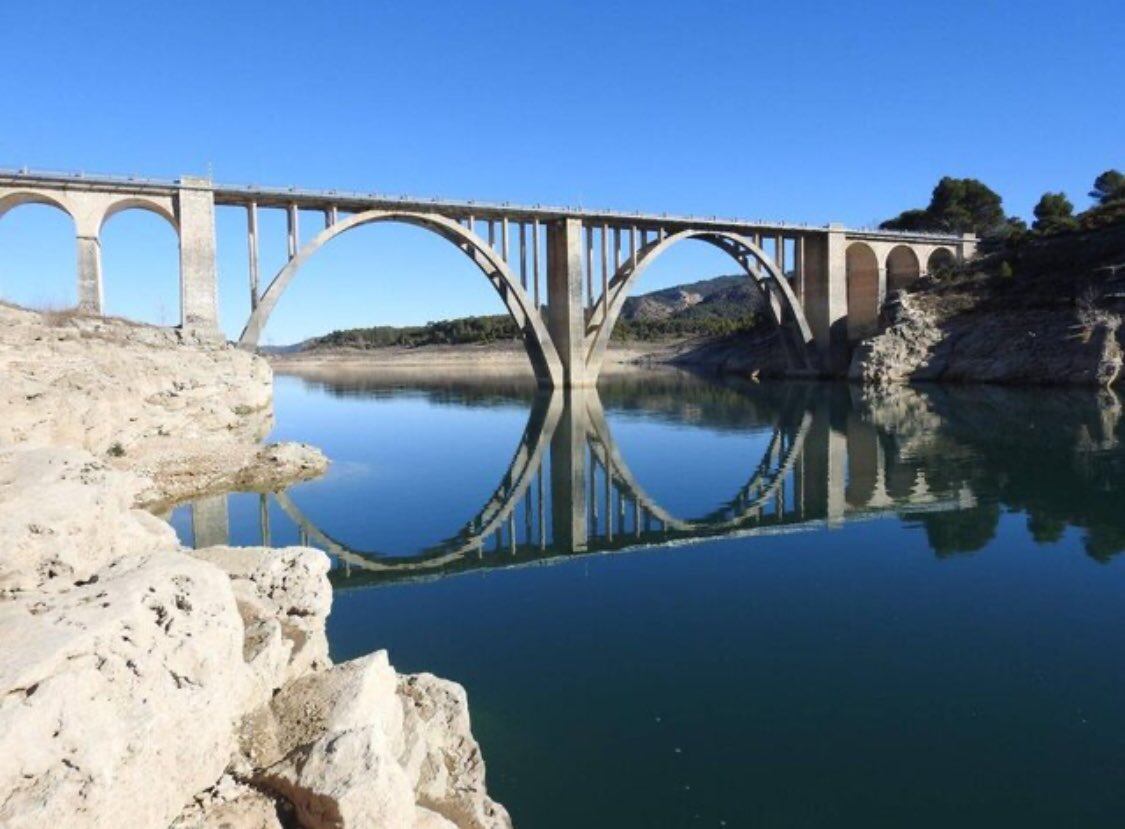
<point>569,523</point>
<point>210,521</point>
<point>825,298</point>
<point>199,301</point>
<point>90,275</point>
<point>566,318</point>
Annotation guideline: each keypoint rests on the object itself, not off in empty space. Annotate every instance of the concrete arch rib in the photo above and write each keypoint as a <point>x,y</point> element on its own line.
<point>785,308</point>
<point>541,351</point>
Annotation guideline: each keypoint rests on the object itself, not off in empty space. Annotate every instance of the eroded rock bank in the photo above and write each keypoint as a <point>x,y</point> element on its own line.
<point>925,341</point>
<point>145,684</point>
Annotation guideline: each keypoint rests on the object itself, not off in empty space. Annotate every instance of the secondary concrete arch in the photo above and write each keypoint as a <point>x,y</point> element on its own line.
<point>140,275</point>
<point>14,199</point>
<point>161,207</point>
<point>39,262</point>
<point>540,349</point>
<point>862,270</point>
<point>784,307</point>
<point>941,259</point>
<point>903,267</point>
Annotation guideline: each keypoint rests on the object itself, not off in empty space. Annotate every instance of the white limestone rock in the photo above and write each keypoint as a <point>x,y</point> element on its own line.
<point>118,699</point>
<point>284,597</point>
<point>65,514</point>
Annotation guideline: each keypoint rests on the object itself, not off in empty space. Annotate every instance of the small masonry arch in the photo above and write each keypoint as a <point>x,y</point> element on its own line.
<point>940,260</point>
<point>12,200</point>
<point>903,267</point>
<point>163,210</point>
<point>540,349</point>
<point>862,269</point>
<point>45,235</point>
<point>783,304</point>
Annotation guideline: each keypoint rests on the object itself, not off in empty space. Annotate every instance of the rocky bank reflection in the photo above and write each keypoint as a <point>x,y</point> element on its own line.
<point>950,459</point>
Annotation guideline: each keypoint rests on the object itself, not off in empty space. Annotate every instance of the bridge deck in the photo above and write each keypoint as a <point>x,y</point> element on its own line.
<point>355,202</point>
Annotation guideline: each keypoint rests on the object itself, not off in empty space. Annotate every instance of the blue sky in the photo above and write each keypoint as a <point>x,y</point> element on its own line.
<point>800,111</point>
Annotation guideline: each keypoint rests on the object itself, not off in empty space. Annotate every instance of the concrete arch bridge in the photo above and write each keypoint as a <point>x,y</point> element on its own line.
<point>562,274</point>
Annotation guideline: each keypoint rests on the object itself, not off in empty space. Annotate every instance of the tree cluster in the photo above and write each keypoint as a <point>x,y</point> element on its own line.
<point>966,205</point>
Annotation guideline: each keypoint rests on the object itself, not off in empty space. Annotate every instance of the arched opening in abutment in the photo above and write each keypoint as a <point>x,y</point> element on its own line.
<point>141,267</point>
<point>903,268</point>
<point>38,257</point>
<point>863,291</point>
<point>941,260</point>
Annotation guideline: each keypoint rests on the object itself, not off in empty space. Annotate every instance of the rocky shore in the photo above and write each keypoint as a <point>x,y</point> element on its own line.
<point>145,684</point>
<point>925,339</point>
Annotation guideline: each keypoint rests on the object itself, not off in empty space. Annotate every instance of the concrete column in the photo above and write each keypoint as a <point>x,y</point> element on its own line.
<point>569,523</point>
<point>252,250</point>
<point>968,247</point>
<point>566,319</point>
<point>293,226</point>
<point>210,522</point>
<point>199,301</point>
<point>90,275</point>
<point>825,298</point>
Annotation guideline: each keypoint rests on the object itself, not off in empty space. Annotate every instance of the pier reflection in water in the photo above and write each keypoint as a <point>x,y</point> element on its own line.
<point>788,605</point>
<point>568,488</point>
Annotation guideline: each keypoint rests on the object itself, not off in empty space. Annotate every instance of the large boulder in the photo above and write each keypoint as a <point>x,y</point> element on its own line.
<point>359,746</point>
<point>118,698</point>
<point>284,597</point>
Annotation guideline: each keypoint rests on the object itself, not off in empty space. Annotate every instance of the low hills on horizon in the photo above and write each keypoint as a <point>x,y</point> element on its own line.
<point>711,307</point>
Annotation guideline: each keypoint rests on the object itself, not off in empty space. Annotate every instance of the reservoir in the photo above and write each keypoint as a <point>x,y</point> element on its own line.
<point>678,602</point>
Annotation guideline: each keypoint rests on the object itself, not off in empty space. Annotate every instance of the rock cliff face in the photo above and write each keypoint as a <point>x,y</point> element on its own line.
<point>1020,346</point>
<point>143,684</point>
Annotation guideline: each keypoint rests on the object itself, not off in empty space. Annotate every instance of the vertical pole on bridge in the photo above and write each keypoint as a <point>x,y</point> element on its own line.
<point>605,271</point>
<point>294,230</point>
<point>535,261</point>
<point>504,238</point>
<point>590,266</point>
<point>523,255</point>
<point>252,250</point>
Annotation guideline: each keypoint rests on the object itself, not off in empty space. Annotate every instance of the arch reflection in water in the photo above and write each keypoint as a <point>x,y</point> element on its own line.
<point>568,489</point>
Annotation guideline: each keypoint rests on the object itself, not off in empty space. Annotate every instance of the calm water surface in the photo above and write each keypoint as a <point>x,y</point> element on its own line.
<point>677,603</point>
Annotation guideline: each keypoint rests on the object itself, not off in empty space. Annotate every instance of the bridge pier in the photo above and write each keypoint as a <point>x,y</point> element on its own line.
<point>90,298</point>
<point>199,296</point>
<point>566,316</point>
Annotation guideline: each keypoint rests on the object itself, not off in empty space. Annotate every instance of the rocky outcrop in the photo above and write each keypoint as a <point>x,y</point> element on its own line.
<point>185,413</point>
<point>142,684</point>
<point>1025,346</point>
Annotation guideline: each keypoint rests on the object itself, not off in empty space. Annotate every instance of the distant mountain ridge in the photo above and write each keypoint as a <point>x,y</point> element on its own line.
<point>709,307</point>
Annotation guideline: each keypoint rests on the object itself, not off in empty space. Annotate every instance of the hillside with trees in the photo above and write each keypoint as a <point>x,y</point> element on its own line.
<point>711,307</point>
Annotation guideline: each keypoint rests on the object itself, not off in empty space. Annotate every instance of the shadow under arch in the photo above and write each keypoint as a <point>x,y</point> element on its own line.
<point>784,307</point>
<point>540,349</point>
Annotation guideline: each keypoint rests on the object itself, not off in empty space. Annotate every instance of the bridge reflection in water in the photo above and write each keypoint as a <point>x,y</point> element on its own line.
<point>569,490</point>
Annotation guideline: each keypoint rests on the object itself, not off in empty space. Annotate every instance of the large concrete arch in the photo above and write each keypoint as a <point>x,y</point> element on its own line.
<point>786,310</point>
<point>544,358</point>
<point>903,267</point>
<point>862,270</point>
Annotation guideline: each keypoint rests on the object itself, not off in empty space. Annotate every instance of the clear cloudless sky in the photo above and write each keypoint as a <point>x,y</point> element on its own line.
<point>802,111</point>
